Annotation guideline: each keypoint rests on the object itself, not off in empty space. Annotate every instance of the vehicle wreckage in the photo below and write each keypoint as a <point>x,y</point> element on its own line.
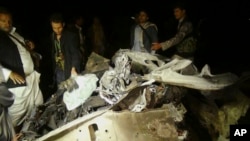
<point>137,96</point>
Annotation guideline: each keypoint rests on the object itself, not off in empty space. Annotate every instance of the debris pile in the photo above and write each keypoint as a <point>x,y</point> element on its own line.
<point>137,96</point>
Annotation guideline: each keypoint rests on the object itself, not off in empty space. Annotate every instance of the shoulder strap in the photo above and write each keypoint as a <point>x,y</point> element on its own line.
<point>23,44</point>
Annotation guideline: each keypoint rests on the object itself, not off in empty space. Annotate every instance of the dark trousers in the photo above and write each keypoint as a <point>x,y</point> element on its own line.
<point>59,75</point>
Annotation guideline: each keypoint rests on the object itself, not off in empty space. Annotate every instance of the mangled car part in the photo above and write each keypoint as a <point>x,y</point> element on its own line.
<point>117,81</point>
<point>150,125</point>
<point>152,110</point>
<point>154,96</point>
<point>69,102</point>
<point>114,82</point>
<point>106,124</point>
<point>170,74</point>
<point>156,125</point>
<point>141,59</point>
<point>142,98</point>
<point>112,87</point>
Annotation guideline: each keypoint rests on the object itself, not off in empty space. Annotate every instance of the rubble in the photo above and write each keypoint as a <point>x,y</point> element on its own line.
<point>118,126</point>
<point>138,97</point>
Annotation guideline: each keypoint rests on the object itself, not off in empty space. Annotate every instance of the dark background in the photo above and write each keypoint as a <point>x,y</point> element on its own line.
<point>224,32</point>
<point>225,28</point>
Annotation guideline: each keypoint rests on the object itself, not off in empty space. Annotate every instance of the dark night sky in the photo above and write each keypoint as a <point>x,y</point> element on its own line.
<point>32,13</point>
<point>224,30</point>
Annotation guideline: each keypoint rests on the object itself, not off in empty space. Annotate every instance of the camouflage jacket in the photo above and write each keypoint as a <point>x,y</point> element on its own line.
<point>183,39</point>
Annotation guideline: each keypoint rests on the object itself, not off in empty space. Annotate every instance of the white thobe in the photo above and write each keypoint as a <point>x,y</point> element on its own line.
<point>138,41</point>
<point>26,97</point>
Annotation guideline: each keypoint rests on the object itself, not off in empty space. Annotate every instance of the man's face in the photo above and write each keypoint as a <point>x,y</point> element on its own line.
<point>57,27</point>
<point>142,17</point>
<point>5,22</point>
<point>179,13</point>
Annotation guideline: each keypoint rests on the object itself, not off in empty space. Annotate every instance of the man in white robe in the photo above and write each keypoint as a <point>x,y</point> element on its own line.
<point>25,84</point>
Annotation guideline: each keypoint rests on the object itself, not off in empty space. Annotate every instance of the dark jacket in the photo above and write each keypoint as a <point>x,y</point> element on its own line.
<point>82,44</point>
<point>70,48</point>
<point>10,58</point>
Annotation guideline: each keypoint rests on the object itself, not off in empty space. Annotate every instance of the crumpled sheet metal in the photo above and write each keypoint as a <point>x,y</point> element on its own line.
<point>150,61</point>
<point>142,98</point>
<point>170,74</point>
<point>114,82</point>
<point>108,125</point>
<point>112,87</point>
<point>175,65</point>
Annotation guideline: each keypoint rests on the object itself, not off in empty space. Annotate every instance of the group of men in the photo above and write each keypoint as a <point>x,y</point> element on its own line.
<point>18,72</point>
<point>19,75</point>
<point>144,35</point>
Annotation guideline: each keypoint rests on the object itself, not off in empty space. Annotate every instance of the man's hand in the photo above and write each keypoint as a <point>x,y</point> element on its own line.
<point>16,78</point>
<point>73,71</point>
<point>156,46</point>
<point>30,44</point>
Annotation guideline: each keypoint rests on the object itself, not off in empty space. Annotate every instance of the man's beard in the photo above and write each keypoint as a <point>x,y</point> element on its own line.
<point>6,29</point>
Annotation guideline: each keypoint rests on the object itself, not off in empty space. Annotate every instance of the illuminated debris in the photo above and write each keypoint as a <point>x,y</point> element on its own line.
<point>150,106</point>
<point>170,74</point>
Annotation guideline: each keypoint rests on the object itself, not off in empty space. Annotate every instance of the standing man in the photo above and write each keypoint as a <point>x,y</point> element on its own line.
<point>18,70</point>
<point>143,34</point>
<point>77,27</point>
<point>183,40</point>
<point>65,50</point>
<point>96,37</point>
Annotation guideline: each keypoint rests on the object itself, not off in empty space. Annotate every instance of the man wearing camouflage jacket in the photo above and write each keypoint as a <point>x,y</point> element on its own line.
<point>183,40</point>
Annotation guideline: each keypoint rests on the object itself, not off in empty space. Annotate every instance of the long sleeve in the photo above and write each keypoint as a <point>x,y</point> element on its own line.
<point>185,29</point>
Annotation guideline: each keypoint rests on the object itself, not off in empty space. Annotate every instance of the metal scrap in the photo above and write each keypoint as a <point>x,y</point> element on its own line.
<point>127,104</point>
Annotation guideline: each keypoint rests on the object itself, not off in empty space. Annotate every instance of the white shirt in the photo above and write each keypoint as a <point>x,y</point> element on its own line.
<point>29,96</point>
<point>138,43</point>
